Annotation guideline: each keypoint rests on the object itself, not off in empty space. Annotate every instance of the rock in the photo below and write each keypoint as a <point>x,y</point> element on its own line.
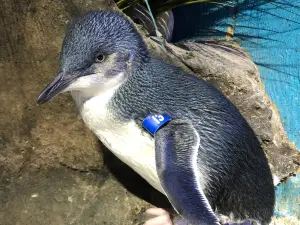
<point>33,136</point>
<point>59,196</point>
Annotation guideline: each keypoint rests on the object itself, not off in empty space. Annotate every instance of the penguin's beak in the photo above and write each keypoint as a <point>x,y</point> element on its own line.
<point>60,82</point>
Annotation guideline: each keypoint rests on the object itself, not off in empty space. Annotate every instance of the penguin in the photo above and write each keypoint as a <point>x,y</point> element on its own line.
<point>178,132</point>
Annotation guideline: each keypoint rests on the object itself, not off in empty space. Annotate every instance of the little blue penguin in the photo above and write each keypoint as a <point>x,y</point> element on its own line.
<point>205,157</point>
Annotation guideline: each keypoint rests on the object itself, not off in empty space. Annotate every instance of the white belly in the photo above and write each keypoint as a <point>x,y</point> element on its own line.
<point>127,141</point>
<point>134,148</point>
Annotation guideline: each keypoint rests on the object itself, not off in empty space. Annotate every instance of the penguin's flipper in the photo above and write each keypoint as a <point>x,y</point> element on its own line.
<point>176,152</point>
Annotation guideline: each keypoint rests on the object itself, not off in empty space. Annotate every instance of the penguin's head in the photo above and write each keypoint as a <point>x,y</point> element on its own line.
<point>99,50</point>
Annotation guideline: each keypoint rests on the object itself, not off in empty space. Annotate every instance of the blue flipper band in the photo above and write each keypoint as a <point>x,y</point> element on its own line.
<point>152,123</point>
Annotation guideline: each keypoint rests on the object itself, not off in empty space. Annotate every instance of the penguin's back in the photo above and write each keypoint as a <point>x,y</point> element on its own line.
<point>231,161</point>
<point>226,137</point>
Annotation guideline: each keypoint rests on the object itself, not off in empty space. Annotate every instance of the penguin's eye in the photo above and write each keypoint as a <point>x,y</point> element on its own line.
<point>100,58</point>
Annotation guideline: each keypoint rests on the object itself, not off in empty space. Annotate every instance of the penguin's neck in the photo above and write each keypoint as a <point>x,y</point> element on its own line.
<point>103,91</point>
<point>93,104</point>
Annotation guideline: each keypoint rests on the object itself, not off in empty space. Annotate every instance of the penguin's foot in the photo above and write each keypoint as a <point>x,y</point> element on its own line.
<point>158,216</point>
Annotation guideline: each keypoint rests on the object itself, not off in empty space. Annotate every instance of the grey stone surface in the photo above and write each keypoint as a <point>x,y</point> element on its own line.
<point>60,196</point>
